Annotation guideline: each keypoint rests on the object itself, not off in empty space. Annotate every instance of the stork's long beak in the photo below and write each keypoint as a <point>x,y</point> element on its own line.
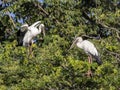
<point>74,42</point>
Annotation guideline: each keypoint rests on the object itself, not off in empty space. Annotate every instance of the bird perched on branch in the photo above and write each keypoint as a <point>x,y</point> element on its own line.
<point>89,49</point>
<point>27,33</point>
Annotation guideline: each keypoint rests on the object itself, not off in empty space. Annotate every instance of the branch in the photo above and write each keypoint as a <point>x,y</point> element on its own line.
<point>114,54</point>
<point>42,9</point>
<point>47,13</point>
<point>91,37</point>
<point>110,28</point>
<point>101,25</point>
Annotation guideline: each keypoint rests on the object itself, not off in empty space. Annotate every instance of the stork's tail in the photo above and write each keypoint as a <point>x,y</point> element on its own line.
<point>98,60</point>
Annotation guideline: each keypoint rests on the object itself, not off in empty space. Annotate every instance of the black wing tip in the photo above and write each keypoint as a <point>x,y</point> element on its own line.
<point>98,60</point>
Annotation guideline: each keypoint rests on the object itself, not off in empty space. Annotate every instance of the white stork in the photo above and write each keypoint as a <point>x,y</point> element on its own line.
<point>27,33</point>
<point>89,49</point>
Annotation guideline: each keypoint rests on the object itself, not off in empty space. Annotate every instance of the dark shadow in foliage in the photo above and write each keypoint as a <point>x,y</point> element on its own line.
<point>20,36</point>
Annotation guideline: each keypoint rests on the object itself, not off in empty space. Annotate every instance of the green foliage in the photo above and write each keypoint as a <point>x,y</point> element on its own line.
<point>53,67</point>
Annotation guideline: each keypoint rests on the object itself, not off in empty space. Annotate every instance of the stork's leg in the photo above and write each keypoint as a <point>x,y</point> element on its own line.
<point>31,51</point>
<point>28,51</point>
<point>90,59</point>
<point>90,63</point>
<point>89,71</point>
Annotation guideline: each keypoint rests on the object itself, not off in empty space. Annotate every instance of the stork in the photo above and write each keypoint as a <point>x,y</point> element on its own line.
<point>27,33</point>
<point>89,49</point>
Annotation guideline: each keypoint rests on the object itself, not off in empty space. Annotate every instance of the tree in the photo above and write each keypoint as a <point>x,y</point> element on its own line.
<point>53,66</point>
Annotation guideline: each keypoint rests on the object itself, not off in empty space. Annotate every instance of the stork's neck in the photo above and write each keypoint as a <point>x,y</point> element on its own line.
<point>40,28</point>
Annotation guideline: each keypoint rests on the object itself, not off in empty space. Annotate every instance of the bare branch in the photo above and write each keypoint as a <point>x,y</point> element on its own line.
<point>47,13</point>
<point>110,28</point>
<point>43,9</point>
<point>117,56</point>
<point>88,36</point>
<point>101,25</point>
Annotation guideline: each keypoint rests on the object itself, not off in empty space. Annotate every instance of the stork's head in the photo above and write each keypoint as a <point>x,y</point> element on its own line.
<point>78,39</point>
<point>42,27</point>
<point>24,27</point>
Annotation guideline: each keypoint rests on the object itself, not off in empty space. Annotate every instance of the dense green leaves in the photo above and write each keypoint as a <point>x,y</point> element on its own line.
<point>54,66</point>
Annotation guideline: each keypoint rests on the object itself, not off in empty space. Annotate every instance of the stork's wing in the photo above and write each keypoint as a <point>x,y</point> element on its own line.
<point>36,24</point>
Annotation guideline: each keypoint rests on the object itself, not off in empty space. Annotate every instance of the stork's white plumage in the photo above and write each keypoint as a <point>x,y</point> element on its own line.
<point>32,31</point>
<point>27,33</point>
<point>87,46</point>
<point>89,49</point>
